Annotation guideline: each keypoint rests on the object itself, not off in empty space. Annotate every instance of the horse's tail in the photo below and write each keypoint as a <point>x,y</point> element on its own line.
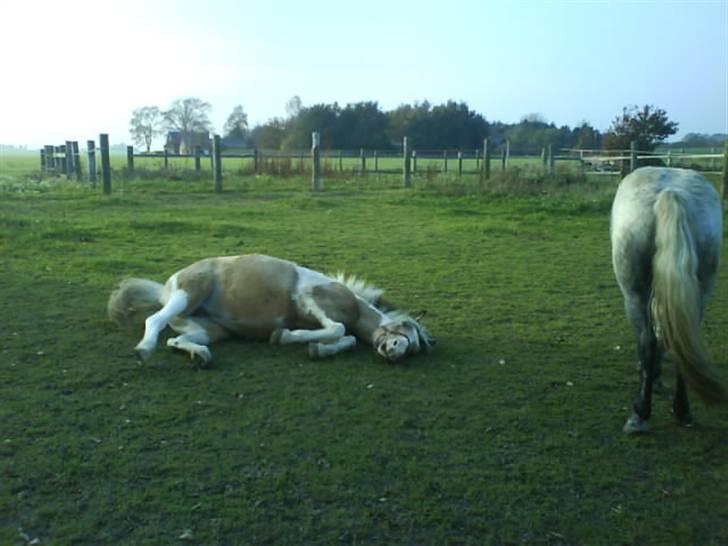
<point>133,301</point>
<point>676,297</point>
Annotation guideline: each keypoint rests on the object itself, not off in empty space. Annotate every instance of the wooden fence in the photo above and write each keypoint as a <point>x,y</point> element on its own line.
<point>65,159</point>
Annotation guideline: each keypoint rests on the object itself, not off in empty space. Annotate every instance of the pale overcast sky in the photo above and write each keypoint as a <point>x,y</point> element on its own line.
<point>73,69</point>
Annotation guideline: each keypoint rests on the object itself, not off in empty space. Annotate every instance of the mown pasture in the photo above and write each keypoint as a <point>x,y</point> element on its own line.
<point>509,432</point>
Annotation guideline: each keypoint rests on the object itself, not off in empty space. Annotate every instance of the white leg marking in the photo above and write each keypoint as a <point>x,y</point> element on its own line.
<point>194,339</point>
<point>321,350</point>
<point>176,304</point>
<point>330,332</point>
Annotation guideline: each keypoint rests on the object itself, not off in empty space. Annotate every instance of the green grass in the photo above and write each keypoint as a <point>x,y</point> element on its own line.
<point>509,432</point>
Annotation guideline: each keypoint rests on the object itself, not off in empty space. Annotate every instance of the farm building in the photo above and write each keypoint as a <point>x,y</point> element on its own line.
<point>179,143</point>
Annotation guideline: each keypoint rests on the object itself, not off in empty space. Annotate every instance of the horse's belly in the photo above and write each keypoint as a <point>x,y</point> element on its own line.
<point>253,297</point>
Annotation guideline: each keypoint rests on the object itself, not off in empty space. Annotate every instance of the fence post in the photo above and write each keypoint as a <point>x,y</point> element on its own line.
<point>477,159</point>
<point>414,161</point>
<point>550,159</point>
<point>460,163</point>
<point>105,162</point>
<point>444,157</point>
<point>507,154</point>
<point>76,159</point>
<point>363,162</point>
<point>43,161</point>
<point>341,162</point>
<point>50,159</point>
<point>217,163</point>
<point>376,162</point>
<point>91,149</point>
<point>130,159</point>
<point>198,163</point>
<point>485,167</point>
<point>503,159</point>
<point>166,159</point>
<point>315,161</point>
<point>407,174</point>
<point>725,171</point>
<point>69,159</point>
<point>632,156</point>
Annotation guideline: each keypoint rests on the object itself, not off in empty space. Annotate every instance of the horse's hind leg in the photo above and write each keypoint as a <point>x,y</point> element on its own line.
<point>196,334</point>
<point>648,349</point>
<point>176,304</point>
<point>680,404</point>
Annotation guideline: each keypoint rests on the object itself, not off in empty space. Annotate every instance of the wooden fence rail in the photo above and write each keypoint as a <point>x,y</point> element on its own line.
<point>65,159</point>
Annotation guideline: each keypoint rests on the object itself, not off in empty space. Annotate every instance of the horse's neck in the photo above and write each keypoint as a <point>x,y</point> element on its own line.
<point>370,318</point>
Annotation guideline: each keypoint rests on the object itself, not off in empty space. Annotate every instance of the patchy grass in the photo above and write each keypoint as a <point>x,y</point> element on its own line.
<point>508,433</point>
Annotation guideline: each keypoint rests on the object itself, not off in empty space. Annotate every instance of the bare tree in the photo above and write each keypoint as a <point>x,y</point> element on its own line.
<point>145,125</point>
<point>188,116</point>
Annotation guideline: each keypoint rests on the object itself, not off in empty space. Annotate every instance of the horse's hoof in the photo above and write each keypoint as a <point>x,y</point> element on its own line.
<point>314,351</point>
<point>635,424</point>
<point>276,336</point>
<point>143,355</point>
<point>684,420</point>
<point>201,357</point>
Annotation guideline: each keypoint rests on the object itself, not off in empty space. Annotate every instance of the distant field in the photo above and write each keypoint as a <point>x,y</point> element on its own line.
<point>508,433</point>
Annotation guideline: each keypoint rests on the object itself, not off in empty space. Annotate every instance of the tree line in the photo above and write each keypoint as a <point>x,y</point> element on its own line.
<point>450,125</point>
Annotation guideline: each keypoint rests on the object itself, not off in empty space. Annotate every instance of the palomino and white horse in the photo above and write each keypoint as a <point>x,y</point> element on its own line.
<point>666,230</point>
<point>260,296</point>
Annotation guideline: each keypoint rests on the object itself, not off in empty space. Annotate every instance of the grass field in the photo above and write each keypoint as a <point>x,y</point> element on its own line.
<point>509,432</point>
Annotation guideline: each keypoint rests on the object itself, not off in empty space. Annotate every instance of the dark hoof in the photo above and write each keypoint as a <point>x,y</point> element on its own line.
<point>684,420</point>
<point>635,424</point>
<point>276,336</point>
<point>143,355</point>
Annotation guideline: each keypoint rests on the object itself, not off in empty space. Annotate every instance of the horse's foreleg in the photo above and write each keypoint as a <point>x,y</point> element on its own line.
<point>154,324</point>
<point>322,350</point>
<point>331,332</point>
<point>197,333</point>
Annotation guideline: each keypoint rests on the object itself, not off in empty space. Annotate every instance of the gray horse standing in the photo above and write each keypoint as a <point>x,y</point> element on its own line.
<point>666,230</point>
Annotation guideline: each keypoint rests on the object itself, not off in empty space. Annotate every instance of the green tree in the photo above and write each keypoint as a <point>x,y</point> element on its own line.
<point>647,126</point>
<point>237,124</point>
<point>270,135</point>
<point>319,117</point>
<point>145,125</point>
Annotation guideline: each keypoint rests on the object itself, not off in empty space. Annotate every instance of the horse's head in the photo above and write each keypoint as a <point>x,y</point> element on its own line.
<point>402,336</point>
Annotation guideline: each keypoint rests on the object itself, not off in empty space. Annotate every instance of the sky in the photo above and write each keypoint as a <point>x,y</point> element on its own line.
<point>72,69</point>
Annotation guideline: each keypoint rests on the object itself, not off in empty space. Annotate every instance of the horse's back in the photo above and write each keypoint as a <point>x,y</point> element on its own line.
<point>633,218</point>
<point>250,295</point>
<point>637,193</point>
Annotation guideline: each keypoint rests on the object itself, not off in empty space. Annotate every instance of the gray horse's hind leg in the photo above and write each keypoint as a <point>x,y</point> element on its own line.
<point>649,353</point>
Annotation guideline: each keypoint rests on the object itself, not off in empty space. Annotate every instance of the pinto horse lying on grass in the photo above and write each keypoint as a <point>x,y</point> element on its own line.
<point>263,297</point>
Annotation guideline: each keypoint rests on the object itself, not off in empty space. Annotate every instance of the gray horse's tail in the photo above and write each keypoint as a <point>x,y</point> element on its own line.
<point>133,301</point>
<point>676,297</point>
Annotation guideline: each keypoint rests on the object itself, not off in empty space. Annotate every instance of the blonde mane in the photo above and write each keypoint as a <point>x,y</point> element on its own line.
<point>366,291</point>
